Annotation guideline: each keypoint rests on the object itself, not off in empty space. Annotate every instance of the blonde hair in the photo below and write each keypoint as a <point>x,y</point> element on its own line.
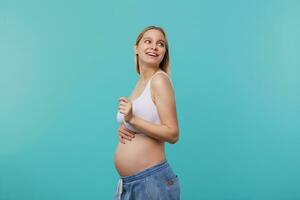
<point>165,63</point>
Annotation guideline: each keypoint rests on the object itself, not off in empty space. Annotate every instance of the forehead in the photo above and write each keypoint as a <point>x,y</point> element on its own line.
<point>155,34</point>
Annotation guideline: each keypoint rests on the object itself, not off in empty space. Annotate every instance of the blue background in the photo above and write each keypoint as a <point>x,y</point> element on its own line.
<point>235,69</point>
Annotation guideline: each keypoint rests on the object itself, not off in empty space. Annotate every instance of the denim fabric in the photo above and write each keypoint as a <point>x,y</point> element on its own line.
<point>155,183</point>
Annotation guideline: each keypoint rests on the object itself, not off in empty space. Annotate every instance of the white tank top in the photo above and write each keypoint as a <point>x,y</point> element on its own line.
<point>143,107</point>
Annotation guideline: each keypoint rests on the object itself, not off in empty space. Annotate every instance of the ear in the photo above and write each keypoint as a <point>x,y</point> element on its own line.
<point>135,49</point>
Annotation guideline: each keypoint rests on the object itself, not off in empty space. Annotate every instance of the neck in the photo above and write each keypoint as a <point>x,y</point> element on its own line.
<point>147,71</point>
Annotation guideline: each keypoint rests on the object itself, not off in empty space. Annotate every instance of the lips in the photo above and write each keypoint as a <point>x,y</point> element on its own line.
<point>152,54</point>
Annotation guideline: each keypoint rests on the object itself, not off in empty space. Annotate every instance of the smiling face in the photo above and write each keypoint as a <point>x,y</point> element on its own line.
<point>151,48</point>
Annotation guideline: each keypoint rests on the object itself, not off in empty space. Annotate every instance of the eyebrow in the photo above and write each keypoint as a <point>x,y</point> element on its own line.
<point>151,39</point>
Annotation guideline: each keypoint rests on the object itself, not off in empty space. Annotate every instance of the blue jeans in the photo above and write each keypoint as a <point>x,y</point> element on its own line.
<point>158,183</point>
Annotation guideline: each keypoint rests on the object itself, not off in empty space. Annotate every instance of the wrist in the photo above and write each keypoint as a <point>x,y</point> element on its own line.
<point>132,120</point>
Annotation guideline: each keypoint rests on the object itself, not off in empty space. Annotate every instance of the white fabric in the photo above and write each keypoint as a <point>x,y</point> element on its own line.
<point>119,188</point>
<point>143,107</point>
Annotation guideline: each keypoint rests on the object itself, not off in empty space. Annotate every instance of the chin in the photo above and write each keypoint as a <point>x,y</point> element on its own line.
<point>152,61</point>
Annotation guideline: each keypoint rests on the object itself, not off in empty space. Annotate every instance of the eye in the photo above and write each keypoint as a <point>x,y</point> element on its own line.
<point>161,44</point>
<point>147,41</point>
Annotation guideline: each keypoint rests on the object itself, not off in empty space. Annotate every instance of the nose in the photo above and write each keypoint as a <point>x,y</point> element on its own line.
<point>153,46</point>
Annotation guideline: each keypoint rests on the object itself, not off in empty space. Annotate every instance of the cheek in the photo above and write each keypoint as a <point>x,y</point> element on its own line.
<point>163,52</point>
<point>143,46</point>
<point>141,49</point>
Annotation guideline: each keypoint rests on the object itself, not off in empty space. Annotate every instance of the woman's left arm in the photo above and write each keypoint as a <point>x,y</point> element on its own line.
<point>164,99</point>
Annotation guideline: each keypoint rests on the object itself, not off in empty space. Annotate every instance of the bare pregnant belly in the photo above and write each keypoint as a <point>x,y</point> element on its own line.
<point>138,154</point>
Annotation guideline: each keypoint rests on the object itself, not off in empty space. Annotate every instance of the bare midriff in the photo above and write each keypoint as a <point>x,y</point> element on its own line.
<point>138,154</point>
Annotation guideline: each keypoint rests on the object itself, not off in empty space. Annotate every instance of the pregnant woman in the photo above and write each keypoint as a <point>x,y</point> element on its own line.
<point>148,119</point>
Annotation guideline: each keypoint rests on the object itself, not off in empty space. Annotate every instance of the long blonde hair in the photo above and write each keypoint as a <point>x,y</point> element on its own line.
<point>165,63</point>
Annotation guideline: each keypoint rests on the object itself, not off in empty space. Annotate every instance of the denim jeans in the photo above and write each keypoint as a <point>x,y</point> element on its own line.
<point>155,183</point>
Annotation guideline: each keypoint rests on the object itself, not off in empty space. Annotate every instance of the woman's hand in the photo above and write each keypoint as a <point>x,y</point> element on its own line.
<point>125,108</point>
<point>125,134</point>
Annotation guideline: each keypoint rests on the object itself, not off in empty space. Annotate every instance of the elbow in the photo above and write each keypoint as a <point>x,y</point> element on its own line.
<point>174,137</point>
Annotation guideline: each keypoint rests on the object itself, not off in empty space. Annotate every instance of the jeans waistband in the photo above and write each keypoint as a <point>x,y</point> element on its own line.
<point>146,172</point>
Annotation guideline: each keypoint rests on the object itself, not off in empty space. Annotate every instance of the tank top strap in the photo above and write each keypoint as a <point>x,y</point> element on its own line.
<point>148,86</point>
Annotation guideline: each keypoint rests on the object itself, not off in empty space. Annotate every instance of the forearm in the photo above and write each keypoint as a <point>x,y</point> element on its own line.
<point>158,131</point>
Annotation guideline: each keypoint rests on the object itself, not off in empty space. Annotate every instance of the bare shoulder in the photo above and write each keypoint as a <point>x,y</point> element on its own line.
<point>161,82</point>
